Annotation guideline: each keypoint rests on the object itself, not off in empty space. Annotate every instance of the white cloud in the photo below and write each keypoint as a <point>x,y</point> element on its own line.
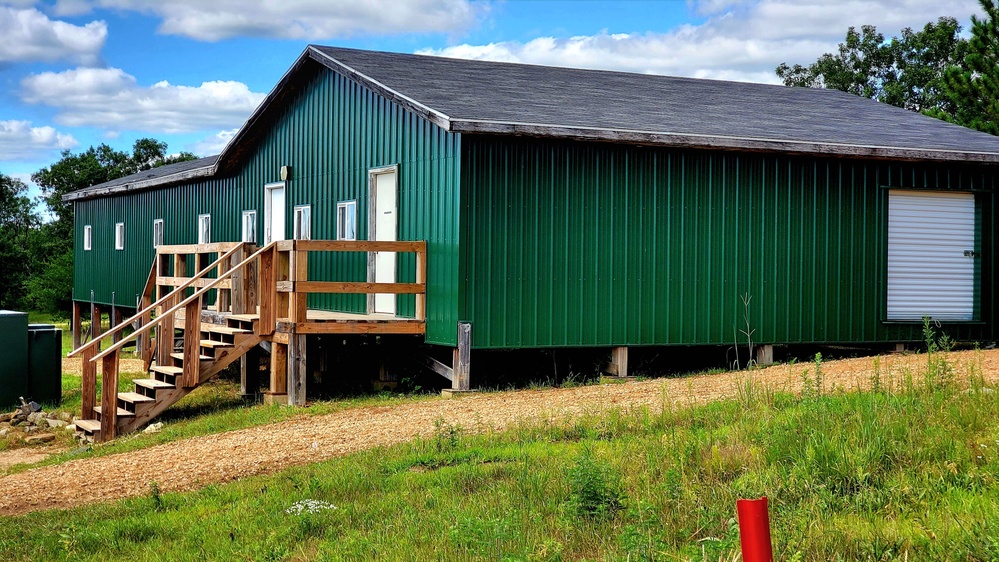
<point>740,39</point>
<point>29,35</point>
<point>302,19</point>
<point>213,144</point>
<point>112,99</point>
<point>19,141</point>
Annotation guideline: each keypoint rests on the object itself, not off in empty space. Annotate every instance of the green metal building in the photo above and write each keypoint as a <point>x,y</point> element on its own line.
<point>574,208</point>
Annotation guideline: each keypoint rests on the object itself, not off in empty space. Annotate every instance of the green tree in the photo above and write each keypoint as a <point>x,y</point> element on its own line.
<point>17,222</point>
<point>50,285</point>
<point>972,87</point>
<point>906,71</point>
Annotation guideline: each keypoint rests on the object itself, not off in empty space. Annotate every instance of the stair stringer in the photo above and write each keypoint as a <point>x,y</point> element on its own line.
<point>165,398</point>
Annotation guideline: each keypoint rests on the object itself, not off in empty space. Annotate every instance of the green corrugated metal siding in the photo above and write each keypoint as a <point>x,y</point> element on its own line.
<point>331,134</point>
<point>574,244</point>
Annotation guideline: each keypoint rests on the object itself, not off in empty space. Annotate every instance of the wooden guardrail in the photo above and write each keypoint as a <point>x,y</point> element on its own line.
<point>288,287</point>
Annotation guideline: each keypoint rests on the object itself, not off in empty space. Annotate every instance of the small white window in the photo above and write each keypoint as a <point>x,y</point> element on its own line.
<point>204,229</point>
<point>303,222</point>
<point>157,233</point>
<point>119,236</point>
<point>346,220</point>
<point>250,227</point>
<point>88,237</point>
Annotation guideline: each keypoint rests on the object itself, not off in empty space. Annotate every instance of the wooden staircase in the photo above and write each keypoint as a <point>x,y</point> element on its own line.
<point>219,345</point>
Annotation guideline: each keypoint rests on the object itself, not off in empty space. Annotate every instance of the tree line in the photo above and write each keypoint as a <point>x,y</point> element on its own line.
<point>36,237</point>
<point>934,71</point>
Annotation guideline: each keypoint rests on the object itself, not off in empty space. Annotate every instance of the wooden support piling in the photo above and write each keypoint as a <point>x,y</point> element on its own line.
<point>619,361</point>
<point>96,327</point>
<point>461,362</point>
<point>278,392</point>
<point>297,372</point>
<point>764,355</point>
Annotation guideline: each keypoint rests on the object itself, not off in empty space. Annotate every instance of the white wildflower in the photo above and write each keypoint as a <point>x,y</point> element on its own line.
<point>309,506</point>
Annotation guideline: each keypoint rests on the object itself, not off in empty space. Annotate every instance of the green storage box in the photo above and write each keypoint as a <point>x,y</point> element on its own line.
<point>13,358</point>
<point>45,364</point>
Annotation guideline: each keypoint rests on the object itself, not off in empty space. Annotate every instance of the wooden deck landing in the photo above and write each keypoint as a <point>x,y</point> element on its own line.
<point>326,322</point>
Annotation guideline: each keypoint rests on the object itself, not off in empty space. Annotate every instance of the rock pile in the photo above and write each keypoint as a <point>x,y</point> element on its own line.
<point>34,423</point>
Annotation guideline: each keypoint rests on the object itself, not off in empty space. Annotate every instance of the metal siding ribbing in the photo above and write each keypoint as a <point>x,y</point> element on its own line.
<point>575,244</point>
<point>331,133</point>
<point>928,271</point>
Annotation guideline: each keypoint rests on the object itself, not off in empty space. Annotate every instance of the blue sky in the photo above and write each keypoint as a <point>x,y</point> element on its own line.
<point>77,73</point>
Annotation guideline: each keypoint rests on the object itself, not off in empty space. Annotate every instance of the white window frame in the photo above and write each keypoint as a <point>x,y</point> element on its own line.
<point>88,238</point>
<point>119,236</point>
<point>249,222</point>
<point>346,210</point>
<point>204,229</point>
<point>303,223</point>
<point>158,230</point>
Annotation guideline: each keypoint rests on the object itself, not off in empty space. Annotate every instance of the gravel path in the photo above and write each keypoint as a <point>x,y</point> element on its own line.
<point>194,463</point>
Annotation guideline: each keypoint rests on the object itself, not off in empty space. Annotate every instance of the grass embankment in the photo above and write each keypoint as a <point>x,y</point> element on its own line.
<point>905,471</point>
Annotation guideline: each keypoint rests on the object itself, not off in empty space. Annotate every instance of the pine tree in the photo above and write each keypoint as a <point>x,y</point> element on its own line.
<point>973,87</point>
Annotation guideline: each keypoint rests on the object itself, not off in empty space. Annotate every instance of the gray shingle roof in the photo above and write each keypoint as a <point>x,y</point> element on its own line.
<point>479,96</point>
<point>170,173</point>
<point>470,96</point>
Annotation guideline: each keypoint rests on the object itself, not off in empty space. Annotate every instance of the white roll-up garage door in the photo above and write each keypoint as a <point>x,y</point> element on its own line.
<point>931,263</point>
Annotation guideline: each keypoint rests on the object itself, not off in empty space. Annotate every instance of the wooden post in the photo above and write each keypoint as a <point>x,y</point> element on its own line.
<point>77,324</point>
<point>265,325</point>
<point>765,354</point>
<point>88,384</point>
<point>109,396</point>
<point>165,333</point>
<point>461,363</point>
<point>114,319</point>
<point>282,265</point>
<point>95,321</point>
<point>238,294</point>
<point>299,270</point>
<point>278,392</point>
<point>192,344</point>
<point>421,278</point>
<point>223,302</point>
<point>619,361</point>
<point>297,373</point>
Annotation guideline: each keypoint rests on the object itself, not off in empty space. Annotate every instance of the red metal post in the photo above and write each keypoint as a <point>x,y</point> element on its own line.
<point>754,530</point>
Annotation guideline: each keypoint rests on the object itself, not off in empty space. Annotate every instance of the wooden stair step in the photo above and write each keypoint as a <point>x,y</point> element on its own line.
<point>213,343</point>
<point>122,412</point>
<point>134,397</point>
<point>180,357</point>
<point>153,384</point>
<point>91,426</point>
<point>224,330</point>
<point>167,370</point>
<point>244,317</point>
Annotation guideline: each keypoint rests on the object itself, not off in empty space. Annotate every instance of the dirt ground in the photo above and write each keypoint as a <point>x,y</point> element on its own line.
<point>196,462</point>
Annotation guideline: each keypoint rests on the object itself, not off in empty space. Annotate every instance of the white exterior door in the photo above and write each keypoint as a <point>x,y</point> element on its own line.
<point>931,255</point>
<point>274,212</point>
<point>385,222</point>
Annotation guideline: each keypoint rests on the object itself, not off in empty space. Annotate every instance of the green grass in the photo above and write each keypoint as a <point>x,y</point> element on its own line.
<point>903,472</point>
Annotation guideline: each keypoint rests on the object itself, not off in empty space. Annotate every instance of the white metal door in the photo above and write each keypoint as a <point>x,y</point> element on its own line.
<point>274,212</point>
<point>931,255</point>
<point>386,226</point>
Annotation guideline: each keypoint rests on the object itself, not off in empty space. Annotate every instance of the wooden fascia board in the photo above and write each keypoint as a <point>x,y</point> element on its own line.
<point>717,142</point>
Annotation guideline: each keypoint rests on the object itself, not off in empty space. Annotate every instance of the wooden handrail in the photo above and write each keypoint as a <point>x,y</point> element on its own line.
<point>197,294</point>
<point>401,246</point>
<point>149,308</point>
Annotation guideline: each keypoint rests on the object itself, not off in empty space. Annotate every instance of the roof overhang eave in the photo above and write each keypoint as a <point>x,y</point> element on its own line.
<point>686,140</point>
<point>100,191</point>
